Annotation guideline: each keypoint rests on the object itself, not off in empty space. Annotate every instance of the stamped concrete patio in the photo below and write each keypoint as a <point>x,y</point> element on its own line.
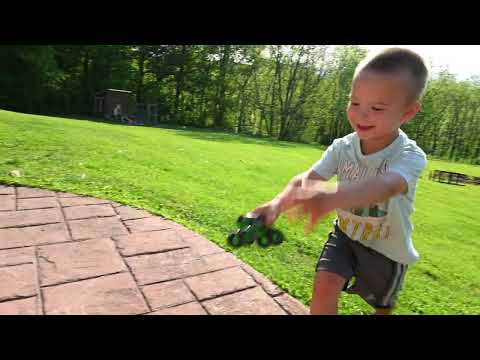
<point>62,253</point>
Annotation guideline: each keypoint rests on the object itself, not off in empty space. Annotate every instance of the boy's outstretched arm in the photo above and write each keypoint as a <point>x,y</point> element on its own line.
<point>369,191</point>
<point>320,200</point>
<point>272,209</point>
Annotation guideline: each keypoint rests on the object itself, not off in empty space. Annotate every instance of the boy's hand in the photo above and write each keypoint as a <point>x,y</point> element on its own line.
<point>313,199</point>
<point>271,211</point>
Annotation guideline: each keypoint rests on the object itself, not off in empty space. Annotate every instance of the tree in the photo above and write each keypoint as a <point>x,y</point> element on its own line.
<point>221,86</point>
<point>29,74</point>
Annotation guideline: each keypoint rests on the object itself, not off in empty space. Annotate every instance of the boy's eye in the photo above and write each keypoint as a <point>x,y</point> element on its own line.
<point>354,103</point>
<point>377,109</point>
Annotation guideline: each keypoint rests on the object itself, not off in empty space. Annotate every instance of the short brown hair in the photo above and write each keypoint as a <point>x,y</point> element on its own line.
<point>393,60</point>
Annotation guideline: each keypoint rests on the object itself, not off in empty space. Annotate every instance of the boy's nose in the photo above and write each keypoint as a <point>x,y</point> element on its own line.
<point>362,115</point>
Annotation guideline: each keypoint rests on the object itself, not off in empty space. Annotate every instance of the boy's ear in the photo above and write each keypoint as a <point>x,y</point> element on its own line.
<point>411,111</point>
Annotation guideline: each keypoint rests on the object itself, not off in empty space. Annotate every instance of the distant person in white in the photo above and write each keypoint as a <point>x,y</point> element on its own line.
<point>117,112</point>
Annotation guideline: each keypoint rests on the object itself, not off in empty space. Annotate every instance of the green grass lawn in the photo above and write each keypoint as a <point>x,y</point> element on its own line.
<point>204,180</point>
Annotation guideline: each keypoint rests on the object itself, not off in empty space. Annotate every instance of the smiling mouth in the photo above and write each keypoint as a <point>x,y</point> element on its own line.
<point>364,128</point>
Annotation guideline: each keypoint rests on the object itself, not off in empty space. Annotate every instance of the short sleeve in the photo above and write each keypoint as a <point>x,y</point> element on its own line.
<point>410,165</point>
<point>327,166</point>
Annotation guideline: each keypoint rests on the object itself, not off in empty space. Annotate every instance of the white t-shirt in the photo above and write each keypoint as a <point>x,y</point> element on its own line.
<point>386,226</point>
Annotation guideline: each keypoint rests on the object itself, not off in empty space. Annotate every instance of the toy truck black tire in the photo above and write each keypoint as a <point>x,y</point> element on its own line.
<point>263,241</point>
<point>234,240</point>
<point>275,236</point>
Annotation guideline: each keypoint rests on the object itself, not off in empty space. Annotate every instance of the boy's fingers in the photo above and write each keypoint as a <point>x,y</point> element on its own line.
<point>295,214</point>
<point>269,220</point>
<point>258,209</point>
<point>295,198</point>
<point>309,226</point>
<point>314,219</point>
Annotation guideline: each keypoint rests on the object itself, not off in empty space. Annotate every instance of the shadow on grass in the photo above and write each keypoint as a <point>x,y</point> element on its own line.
<point>204,134</point>
<point>215,135</point>
<point>207,134</point>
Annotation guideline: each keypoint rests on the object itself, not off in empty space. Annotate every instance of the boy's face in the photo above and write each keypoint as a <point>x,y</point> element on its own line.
<point>379,105</point>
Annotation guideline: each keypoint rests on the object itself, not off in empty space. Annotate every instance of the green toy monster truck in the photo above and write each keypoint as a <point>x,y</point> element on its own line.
<point>251,229</point>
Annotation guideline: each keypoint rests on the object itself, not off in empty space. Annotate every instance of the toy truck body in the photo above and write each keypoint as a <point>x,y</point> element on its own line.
<point>253,229</point>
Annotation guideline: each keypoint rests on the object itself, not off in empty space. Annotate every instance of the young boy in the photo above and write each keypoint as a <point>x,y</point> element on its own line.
<point>377,168</point>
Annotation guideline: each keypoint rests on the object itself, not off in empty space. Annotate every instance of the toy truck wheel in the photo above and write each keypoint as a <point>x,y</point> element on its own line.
<point>276,236</point>
<point>234,240</point>
<point>263,241</point>
<point>240,219</point>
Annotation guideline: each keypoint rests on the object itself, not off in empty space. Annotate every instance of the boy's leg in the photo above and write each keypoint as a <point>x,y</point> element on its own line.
<point>334,269</point>
<point>378,279</point>
<point>326,291</point>
<point>379,311</point>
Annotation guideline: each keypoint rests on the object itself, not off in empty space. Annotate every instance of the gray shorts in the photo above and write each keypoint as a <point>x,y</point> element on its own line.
<point>378,279</point>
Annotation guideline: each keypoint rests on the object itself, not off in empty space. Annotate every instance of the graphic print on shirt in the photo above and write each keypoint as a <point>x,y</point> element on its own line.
<point>367,223</point>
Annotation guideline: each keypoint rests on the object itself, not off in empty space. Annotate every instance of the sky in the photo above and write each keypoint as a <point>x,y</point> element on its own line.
<point>461,60</point>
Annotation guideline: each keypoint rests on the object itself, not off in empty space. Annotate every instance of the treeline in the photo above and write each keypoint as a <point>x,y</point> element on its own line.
<point>295,93</point>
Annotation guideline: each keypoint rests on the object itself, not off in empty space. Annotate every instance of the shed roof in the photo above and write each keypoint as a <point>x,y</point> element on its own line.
<point>116,90</point>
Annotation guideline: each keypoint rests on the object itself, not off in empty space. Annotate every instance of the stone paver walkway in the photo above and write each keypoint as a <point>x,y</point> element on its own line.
<point>61,253</point>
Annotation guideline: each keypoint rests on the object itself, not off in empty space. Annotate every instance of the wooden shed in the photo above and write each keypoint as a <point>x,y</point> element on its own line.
<point>106,101</point>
